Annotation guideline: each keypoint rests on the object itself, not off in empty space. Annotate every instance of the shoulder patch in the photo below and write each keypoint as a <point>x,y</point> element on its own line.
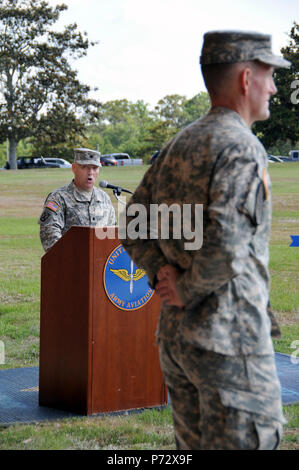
<point>45,215</point>
<point>53,206</point>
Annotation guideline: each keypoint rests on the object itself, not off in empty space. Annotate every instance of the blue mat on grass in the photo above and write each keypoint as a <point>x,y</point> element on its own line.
<point>19,393</point>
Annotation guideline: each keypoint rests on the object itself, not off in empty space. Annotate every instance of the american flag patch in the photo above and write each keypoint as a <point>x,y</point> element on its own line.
<point>52,206</point>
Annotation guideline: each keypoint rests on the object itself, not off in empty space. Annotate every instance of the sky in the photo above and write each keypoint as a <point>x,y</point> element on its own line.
<point>148,49</point>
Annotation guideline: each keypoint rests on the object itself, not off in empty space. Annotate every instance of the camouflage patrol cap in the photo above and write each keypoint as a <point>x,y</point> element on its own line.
<point>225,47</point>
<point>87,157</point>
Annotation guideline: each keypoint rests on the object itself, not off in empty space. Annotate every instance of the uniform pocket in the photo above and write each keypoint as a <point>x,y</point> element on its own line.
<point>251,402</point>
<point>268,434</point>
<point>263,430</point>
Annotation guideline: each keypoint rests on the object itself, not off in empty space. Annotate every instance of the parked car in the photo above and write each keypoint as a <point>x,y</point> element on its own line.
<point>58,161</point>
<point>274,159</point>
<point>6,166</point>
<point>294,155</point>
<point>122,159</point>
<point>24,163</point>
<point>108,160</point>
<point>154,157</point>
<point>121,156</point>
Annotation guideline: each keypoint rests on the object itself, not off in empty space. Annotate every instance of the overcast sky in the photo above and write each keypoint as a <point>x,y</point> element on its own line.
<point>150,48</point>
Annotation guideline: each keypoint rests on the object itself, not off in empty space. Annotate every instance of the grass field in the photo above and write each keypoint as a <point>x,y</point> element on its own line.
<point>22,194</point>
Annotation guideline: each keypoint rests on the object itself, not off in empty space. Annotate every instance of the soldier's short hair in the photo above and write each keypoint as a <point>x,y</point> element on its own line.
<point>216,77</point>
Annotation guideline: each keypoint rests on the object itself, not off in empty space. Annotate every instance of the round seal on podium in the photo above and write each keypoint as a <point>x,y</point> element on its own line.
<point>126,285</point>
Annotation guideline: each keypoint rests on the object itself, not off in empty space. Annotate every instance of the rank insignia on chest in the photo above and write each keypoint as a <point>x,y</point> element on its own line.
<point>53,206</point>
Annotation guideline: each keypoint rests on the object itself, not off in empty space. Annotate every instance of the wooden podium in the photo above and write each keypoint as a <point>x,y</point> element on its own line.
<point>94,356</point>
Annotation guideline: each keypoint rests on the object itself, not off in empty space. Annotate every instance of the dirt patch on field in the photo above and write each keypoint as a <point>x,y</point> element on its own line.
<point>290,440</point>
<point>287,318</point>
<point>26,206</point>
<point>8,299</point>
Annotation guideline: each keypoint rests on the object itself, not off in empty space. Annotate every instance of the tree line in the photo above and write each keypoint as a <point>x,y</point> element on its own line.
<point>136,129</point>
<point>45,109</point>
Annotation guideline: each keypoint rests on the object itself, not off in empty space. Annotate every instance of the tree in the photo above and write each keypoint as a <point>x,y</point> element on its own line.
<point>114,112</point>
<point>171,109</point>
<point>283,124</point>
<point>40,95</point>
<point>124,126</point>
<point>178,111</point>
<point>196,107</point>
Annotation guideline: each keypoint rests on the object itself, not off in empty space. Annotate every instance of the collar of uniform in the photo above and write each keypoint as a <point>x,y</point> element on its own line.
<point>80,196</point>
<point>98,194</point>
<point>234,116</point>
<point>219,110</point>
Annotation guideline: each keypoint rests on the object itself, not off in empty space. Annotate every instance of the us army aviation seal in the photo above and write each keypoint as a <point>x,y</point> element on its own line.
<point>126,285</point>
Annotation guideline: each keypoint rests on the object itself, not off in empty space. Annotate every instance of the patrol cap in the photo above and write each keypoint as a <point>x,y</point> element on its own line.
<point>87,157</point>
<point>227,47</point>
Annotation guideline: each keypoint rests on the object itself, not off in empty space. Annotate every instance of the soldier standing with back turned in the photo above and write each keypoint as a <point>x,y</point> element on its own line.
<point>214,332</point>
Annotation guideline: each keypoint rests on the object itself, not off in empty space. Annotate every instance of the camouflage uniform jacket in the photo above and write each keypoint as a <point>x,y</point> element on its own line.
<point>68,206</point>
<point>219,163</point>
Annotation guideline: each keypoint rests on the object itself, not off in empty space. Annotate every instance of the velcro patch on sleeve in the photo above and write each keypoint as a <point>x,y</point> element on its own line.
<point>53,206</point>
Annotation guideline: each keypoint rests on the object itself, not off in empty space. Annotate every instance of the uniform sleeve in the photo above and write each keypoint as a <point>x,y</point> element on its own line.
<point>51,221</point>
<point>235,209</point>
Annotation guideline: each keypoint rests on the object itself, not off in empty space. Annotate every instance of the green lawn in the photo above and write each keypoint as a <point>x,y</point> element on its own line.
<point>22,194</point>
<point>151,429</point>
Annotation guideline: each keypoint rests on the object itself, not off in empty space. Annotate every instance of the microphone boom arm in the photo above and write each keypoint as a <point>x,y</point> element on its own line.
<point>117,194</point>
<point>117,190</point>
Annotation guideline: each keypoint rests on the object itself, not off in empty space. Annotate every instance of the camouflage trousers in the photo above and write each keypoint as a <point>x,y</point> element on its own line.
<point>222,402</point>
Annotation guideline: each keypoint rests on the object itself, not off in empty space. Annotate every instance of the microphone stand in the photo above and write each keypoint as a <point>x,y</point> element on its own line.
<point>117,193</point>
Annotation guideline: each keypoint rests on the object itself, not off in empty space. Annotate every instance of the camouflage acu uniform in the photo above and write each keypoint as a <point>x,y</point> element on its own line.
<point>214,352</point>
<point>70,206</point>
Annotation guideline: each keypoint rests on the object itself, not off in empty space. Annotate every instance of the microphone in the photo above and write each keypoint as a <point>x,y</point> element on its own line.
<point>117,189</point>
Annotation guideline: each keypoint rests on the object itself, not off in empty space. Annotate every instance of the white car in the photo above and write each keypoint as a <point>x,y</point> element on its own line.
<point>58,161</point>
<point>274,159</point>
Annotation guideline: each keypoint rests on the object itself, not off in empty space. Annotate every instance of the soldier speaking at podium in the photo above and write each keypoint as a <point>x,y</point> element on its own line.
<point>214,331</point>
<point>78,203</point>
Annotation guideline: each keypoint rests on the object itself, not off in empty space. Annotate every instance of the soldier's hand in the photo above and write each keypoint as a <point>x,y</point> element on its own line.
<point>166,285</point>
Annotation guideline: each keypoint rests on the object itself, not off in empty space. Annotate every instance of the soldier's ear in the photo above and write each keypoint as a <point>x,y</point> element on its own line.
<point>245,78</point>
